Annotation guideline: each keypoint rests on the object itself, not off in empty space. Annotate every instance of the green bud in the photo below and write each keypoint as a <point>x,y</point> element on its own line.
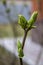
<point>22,21</point>
<point>20,51</point>
<point>4,2</point>
<point>19,44</point>
<point>32,19</point>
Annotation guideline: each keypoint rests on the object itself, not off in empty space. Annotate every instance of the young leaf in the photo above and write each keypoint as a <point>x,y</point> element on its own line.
<point>22,21</point>
<point>32,19</point>
<point>33,27</point>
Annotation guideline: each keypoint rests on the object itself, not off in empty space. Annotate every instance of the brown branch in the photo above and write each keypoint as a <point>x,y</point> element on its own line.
<point>25,35</point>
<point>23,43</point>
<point>21,62</point>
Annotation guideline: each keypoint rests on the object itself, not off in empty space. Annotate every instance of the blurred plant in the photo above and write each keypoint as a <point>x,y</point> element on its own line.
<point>4,2</point>
<point>8,11</point>
<point>11,21</point>
<point>27,26</point>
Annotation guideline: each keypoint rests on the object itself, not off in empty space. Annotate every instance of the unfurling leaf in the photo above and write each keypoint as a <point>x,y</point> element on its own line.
<point>32,19</point>
<point>33,27</point>
<point>22,21</point>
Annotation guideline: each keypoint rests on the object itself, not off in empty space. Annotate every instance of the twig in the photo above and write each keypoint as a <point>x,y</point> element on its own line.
<point>21,62</point>
<point>23,43</point>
